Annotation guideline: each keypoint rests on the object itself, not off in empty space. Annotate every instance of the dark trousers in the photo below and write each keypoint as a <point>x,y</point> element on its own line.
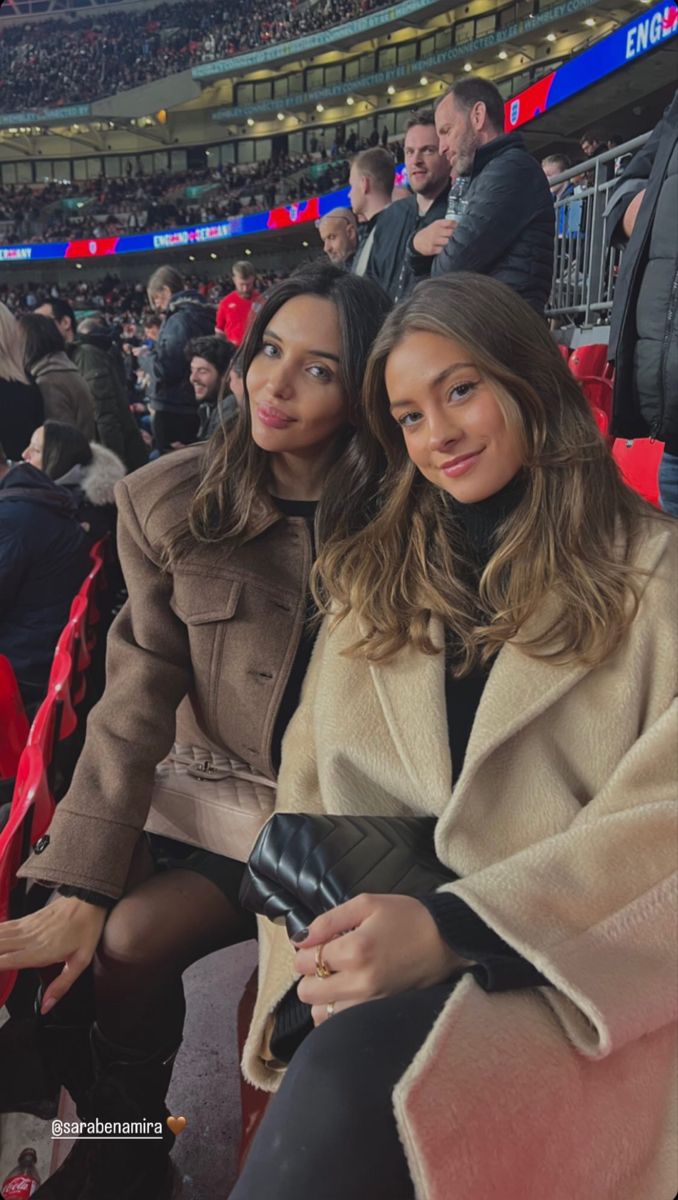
<point>170,427</point>
<point>331,1131</point>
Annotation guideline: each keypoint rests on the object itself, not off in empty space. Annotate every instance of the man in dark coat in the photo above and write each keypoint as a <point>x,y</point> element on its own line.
<point>644,324</point>
<point>508,228</point>
<point>187,316</point>
<point>429,179</point>
<point>43,561</point>
<point>101,366</point>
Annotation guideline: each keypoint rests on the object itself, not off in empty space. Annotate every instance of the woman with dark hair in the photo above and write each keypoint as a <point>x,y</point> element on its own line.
<point>65,394</point>
<point>210,652</point>
<point>502,657</point>
<point>89,471</point>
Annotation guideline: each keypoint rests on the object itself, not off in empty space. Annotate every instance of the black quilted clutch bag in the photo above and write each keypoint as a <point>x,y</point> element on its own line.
<point>302,864</point>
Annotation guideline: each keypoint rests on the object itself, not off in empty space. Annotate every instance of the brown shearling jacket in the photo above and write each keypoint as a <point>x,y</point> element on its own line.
<point>221,629</point>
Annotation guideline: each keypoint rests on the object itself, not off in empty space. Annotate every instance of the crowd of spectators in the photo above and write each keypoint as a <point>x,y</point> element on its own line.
<point>110,207</point>
<point>60,62</point>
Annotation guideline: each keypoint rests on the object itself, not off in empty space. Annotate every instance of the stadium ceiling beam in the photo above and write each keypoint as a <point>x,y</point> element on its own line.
<point>19,142</point>
<point>93,140</point>
<point>159,134</point>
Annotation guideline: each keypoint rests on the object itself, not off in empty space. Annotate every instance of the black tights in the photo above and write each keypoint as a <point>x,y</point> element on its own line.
<point>331,1131</point>
<point>163,924</point>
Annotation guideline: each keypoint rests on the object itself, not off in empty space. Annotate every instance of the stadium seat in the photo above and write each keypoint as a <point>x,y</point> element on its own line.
<point>13,721</point>
<point>592,371</point>
<point>81,651</point>
<point>639,461</point>
<point>94,582</point>
<point>43,731</point>
<point>589,360</point>
<point>29,818</point>
<point>60,678</point>
<point>253,1102</point>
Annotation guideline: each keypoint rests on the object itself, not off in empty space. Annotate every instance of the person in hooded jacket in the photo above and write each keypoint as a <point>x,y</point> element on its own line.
<point>65,394</point>
<point>187,316</point>
<point>100,364</point>
<point>89,472</point>
<point>43,561</point>
<point>21,406</point>
<point>644,323</point>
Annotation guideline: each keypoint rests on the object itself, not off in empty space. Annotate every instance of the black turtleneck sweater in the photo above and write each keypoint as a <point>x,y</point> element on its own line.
<point>498,966</point>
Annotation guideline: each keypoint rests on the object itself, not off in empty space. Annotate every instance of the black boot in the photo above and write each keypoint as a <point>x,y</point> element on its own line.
<point>39,1055</point>
<point>130,1088</point>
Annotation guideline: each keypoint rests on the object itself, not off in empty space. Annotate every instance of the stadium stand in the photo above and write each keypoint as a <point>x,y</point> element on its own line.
<point>63,62</point>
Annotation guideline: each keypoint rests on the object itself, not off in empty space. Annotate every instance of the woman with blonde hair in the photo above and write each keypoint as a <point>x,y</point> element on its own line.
<point>501,655</point>
<point>21,406</point>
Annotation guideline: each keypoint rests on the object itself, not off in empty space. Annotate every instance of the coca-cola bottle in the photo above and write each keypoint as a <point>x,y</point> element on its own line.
<point>23,1180</point>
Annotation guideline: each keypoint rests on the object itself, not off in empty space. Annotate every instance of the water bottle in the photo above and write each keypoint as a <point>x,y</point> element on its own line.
<point>456,202</point>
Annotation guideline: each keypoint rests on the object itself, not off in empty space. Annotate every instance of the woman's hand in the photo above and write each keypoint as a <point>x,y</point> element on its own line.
<point>67,931</point>
<point>375,946</point>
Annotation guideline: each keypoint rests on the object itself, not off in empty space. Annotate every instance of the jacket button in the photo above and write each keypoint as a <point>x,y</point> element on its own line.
<point>41,844</point>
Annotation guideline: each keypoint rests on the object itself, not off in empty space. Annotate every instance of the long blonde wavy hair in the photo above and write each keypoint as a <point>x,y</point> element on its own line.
<point>570,538</point>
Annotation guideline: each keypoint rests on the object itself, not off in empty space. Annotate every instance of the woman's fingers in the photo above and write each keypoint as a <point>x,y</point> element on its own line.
<point>64,981</point>
<point>323,1012</point>
<point>58,933</point>
<point>337,921</point>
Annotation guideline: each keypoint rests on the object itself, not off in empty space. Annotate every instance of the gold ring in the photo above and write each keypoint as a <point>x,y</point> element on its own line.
<point>329,1008</point>
<point>321,968</point>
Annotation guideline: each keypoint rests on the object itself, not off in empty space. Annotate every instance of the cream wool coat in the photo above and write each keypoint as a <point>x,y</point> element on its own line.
<point>563,826</point>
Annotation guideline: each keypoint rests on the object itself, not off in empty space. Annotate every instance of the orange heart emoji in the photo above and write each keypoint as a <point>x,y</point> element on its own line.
<point>177,1124</point>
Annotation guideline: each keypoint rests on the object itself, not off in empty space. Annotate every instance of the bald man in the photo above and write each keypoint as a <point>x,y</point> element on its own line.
<point>338,231</point>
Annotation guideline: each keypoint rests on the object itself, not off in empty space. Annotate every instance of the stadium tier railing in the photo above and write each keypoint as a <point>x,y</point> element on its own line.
<point>585,265</point>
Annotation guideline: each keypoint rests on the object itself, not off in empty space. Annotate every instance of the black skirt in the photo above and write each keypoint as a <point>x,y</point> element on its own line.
<point>225,873</point>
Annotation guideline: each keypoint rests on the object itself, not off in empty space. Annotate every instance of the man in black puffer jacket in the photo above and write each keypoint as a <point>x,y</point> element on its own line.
<point>508,228</point>
<point>187,316</point>
<point>644,325</point>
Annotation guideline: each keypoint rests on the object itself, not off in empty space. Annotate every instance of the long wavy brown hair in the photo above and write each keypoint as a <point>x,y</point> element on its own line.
<point>236,472</point>
<point>563,555</point>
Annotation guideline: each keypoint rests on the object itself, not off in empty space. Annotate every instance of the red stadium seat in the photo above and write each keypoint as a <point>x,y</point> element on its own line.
<point>589,361</point>
<point>92,583</point>
<point>13,721</point>
<point>60,686</point>
<point>29,818</point>
<point>591,369</point>
<point>43,731</point>
<point>639,462</point>
<point>565,351</point>
<point>80,651</point>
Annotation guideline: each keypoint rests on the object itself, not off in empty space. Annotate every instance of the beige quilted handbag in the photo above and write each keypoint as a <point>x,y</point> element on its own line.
<point>205,798</point>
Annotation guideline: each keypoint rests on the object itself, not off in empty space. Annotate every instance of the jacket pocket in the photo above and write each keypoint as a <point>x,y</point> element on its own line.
<point>197,600</point>
<point>207,605</point>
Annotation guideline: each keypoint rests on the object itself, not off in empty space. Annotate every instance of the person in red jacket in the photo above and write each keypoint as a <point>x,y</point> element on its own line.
<point>235,309</point>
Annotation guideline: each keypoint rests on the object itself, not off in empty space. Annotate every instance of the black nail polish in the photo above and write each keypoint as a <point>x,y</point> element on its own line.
<point>300,936</point>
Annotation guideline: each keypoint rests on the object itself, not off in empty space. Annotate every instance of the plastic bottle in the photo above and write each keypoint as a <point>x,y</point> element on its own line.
<point>23,1180</point>
<point>456,203</point>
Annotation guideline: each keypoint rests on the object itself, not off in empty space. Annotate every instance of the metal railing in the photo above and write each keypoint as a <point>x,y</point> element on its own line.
<point>585,266</point>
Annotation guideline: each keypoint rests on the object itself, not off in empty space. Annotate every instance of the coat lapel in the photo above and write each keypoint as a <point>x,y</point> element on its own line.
<point>411,691</point>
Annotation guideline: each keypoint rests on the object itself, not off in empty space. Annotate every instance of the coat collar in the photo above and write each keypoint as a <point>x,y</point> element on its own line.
<point>411,691</point>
